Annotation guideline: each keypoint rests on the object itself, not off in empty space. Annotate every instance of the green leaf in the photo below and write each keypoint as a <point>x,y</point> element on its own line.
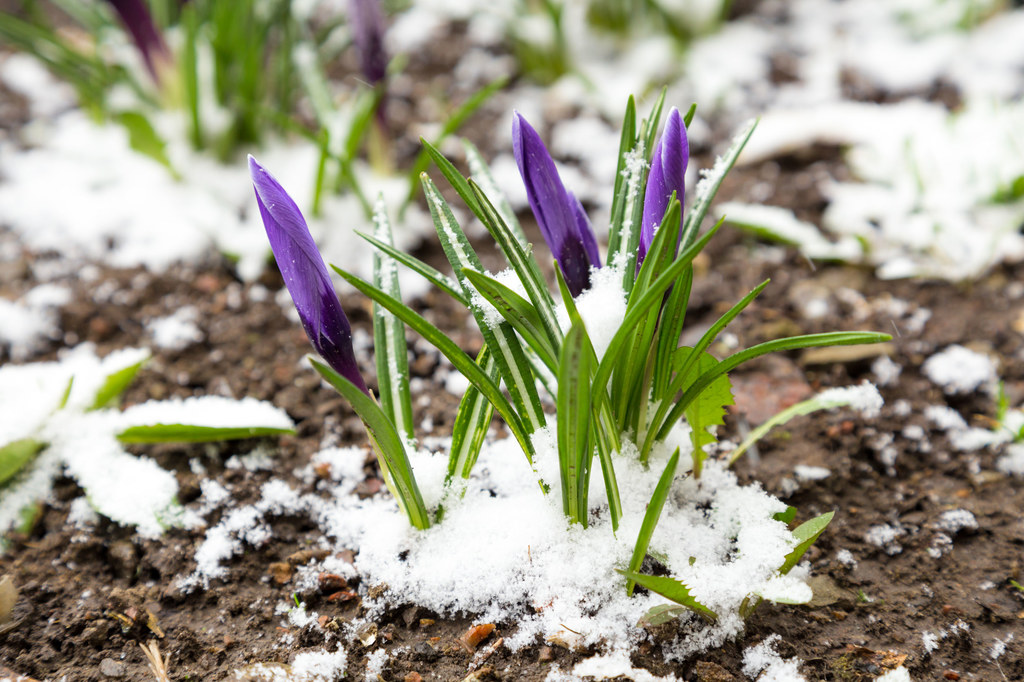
<point>707,410</point>
<point>472,420</point>
<point>518,312</point>
<point>143,138</point>
<point>434,276</point>
<point>462,362</point>
<point>389,336</point>
<point>114,385</point>
<point>16,455</point>
<point>805,534</point>
<point>707,188</point>
<point>627,141</point>
<point>482,176</point>
<point>651,517</point>
<point>513,365</point>
<point>386,442</point>
<point>672,589</point>
<point>786,516</point>
<point>575,452</point>
<point>190,433</point>
<point>661,614</point>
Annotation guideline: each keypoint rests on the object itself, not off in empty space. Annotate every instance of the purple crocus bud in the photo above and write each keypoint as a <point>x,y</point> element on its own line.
<point>668,172</point>
<point>561,218</point>
<point>367,24</point>
<point>136,18</point>
<point>305,275</point>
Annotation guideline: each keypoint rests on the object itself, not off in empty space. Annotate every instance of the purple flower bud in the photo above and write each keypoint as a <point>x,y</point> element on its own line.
<point>305,275</point>
<point>136,18</point>
<point>668,173</point>
<point>367,25</point>
<point>561,218</point>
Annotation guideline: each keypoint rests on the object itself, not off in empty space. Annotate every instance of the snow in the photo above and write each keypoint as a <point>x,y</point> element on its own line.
<point>208,411</point>
<point>961,370</point>
<point>176,331</point>
<point>762,663</point>
<point>899,674</point>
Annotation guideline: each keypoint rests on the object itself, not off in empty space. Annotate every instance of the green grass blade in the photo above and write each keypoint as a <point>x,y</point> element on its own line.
<point>16,455</point>
<point>471,422</point>
<point>806,534</point>
<point>114,385</point>
<point>736,359</point>
<point>482,176</point>
<point>651,517</point>
<point>515,369</point>
<point>389,336</point>
<point>573,413</point>
<point>708,186</point>
<point>627,141</point>
<point>431,274</point>
<point>389,446</point>
<point>670,329</point>
<point>649,128</point>
<point>453,123</point>
<point>190,433</point>
<point>522,261</point>
<point>672,589</point>
<point>458,182</point>
<point>518,312</point>
<point>462,362</point>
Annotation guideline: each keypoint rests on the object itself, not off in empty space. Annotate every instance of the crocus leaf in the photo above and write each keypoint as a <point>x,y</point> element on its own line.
<point>673,589</point>
<point>651,517</point>
<point>431,274</point>
<point>806,534</point>
<point>15,455</point>
<point>114,385</point>
<point>575,452</point>
<point>190,433</point>
<point>472,420</point>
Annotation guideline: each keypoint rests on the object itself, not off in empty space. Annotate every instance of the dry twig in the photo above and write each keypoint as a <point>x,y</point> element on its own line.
<point>157,664</point>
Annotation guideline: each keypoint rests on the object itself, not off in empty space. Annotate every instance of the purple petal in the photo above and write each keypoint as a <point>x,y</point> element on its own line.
<point>136,18</point>
<point>367,25</point>
<point>305,275</point>
<point>668,173</point>
<point>559,215</point>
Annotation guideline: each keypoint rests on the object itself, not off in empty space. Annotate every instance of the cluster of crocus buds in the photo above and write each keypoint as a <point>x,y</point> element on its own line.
<point>560,216</point>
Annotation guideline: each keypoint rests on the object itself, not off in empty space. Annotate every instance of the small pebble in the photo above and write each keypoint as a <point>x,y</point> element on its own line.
<point>111,668</point>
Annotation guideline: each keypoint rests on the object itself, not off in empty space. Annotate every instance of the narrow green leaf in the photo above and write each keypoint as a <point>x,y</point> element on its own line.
<point>651,517</point>
<point>627,141</point>
<point>434,276</point>
<point>515,369</point>
<point>670,330</point>
<point>462,362</point>
<point>472,420</point>
<point>389,336</point>
<point>482,176</point>
<point>673,589</point>
<point>518,312</point>
<point>649,128</point>
<point>573,413</point>
<point>806,534</point>
<point>190,433</point>
<point>707,188</point>
<point>113,386</point>
<point>736,359</point>
<point>388,444</point>
<point>16,455</point>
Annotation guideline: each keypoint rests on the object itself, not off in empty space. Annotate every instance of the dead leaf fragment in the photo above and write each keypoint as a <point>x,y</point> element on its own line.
<point>8,598</point>
<point>472,637</point>
<point>8,675</point>
<point>841,354</point>
<point>280,571</point>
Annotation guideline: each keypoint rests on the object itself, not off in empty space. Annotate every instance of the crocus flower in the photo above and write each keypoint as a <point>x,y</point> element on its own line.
<point>305,275</point>
<point>136,18</point>
<point>668,171</point>
<point>367,25</point>
<point>561,218</point>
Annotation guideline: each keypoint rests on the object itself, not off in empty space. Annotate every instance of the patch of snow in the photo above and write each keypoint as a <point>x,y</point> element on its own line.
<point>960,370</point>
<point>805,472</point>
<point>176,331</point>
<point>900,674</point>
<point>602,307</point>
<point>885,370</point>
<point>208,411</point>
<point>26,324</point>
<point>762,663</point>
<point>884,537</point>
<point>1012,461</point>
<point>846,558</point>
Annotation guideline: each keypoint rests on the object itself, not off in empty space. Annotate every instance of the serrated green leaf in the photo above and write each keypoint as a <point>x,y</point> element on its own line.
<point>660,614</point>
<point>706,410</point>
<point>114,385</point>
<point>16,455</point>
<point>190,433</point>
<point>672,589</point>
<point>386,442</point>
<point>651,517</point>
<point>806,534</point>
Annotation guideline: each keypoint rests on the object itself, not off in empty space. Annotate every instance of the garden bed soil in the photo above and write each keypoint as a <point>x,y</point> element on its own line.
<point>87,600</point>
